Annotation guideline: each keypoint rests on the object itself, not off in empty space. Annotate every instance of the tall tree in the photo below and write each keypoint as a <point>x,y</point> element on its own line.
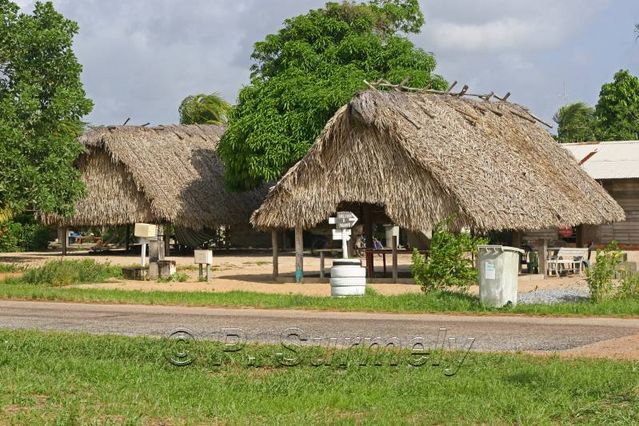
<point>311,67</point>
<point>618,108</point>
<point>576,123</point>
<point>41,104</point>
<point>204,109</point>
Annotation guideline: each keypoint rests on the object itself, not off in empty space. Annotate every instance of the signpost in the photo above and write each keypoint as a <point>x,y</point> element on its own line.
<point>343,222</point>
<point>348,278</point>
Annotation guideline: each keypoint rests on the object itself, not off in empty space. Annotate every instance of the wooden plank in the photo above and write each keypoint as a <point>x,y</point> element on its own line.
<point>275,255</point>
<point>299,254</point>
<point>394,248</point>
<point>543,255</point>
<point>64,235</point>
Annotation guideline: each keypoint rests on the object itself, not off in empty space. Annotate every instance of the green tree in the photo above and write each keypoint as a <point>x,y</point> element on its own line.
<point>576,123</point>
<point>617,111</point>
<point>310,68</point>
<point>204,109</point>
<point>41,103</point>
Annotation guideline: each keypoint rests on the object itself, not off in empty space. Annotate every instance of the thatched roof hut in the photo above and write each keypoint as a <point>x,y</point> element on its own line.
<point>165,174</point>
<point>425,156</point>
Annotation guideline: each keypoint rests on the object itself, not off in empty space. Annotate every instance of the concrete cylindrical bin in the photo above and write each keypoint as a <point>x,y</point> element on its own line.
<point>498,273</point>
<point>348,278</point>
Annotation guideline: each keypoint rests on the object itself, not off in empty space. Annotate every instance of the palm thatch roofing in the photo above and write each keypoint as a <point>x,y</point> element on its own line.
<point>426,156</point>
<point>165,174</point>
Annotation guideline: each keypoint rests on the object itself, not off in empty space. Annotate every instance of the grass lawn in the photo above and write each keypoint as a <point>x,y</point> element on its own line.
<point>408,303</point>
<point>83,379</point>
<point>50,282</point>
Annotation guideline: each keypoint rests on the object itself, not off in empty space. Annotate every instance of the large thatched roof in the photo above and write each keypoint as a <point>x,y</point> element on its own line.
<point>165,174</point>
<point>425,156</point>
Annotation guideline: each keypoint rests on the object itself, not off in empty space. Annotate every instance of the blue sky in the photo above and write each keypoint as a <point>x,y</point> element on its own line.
<point>142,57</point>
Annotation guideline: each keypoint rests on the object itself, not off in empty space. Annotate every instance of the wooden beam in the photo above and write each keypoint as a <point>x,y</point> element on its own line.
<point>394,248</point>
<point>543,255</point>
<point>368,225</point>
<point>64,236</point>
<point>518,238</point>
<point>299,254</point>
<point>128,238</point>
<point>275,255</point>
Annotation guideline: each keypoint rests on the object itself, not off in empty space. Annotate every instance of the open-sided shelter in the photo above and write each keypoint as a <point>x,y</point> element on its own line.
<point>165,174</point>
<point>424,156</point>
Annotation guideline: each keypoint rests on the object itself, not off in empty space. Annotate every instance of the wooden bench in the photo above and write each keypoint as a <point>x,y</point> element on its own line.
<point>566,259</point>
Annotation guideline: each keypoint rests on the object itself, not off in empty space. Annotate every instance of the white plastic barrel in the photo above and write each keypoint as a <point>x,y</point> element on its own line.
<point>348,278</point>
<point>498,273</point>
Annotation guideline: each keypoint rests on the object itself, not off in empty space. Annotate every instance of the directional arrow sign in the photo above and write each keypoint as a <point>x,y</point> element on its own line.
<point>345,220</point>
<point>341,234</point>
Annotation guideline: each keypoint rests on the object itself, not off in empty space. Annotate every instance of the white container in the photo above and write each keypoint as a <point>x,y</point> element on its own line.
<point>391,231</point>
<point>498,273</point>
<point>203,257</point>
<point>348,278</point>
<point>145,230</point>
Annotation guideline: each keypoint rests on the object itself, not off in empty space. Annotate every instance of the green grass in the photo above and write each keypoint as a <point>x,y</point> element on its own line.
<point>435,302</point>
<point>10,267</point>
<point>66,272</point>
<point>82,379</point>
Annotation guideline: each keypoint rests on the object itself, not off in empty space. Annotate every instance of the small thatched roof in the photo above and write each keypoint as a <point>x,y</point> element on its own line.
<point>165,174</point>
<point>426,156</point>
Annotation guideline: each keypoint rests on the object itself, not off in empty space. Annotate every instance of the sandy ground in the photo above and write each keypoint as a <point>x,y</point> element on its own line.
<point>252,272</point>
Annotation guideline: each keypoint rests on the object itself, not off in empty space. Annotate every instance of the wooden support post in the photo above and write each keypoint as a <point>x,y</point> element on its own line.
<point>384,263</point>
<point>63,234</point>
<point>275,255</point>
<point>208,274</point>
<point>543,255</point>
<point>167,244</point>
<point>368,226</point>
<point>299,254</point>
<point>127,243</point>
<point>322,264</point>
<point>518,238</point>
<point>394,248</point>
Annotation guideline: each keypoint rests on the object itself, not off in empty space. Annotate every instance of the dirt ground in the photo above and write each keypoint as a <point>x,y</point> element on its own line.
<point>252,272</point>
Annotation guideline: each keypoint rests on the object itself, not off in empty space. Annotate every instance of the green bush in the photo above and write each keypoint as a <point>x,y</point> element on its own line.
<point>9,268</point>
<point>25,235</point>
<point>178,277</point>
<point>602,274</point>
<point>449,263</point>
<point>628,286</point>
<point>67,272</point>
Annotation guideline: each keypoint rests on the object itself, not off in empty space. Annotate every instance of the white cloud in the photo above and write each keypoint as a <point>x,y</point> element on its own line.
<point>501,25</point>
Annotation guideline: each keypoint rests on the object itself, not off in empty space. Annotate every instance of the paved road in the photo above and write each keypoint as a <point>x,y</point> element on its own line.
<point>491,333</point>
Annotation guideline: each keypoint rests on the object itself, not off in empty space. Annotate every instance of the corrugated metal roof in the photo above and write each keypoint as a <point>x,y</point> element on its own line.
<point>611,160</point>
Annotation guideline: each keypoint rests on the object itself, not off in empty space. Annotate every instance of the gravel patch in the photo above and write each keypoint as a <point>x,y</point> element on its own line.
<point>554,296</point>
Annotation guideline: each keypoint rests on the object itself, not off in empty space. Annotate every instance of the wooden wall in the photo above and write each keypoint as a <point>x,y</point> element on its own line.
<point>626,193</point>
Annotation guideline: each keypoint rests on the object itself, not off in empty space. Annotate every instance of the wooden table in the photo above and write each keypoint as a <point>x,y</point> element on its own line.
<point>370,264</point>
<point>322,253</point>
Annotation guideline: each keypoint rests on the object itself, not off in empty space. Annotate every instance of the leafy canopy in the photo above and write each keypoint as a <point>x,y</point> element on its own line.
<point>576,123</point>
<point>41,103</point>
<point>204,109</point>
<point>618,108</point>
<point>308,70</point>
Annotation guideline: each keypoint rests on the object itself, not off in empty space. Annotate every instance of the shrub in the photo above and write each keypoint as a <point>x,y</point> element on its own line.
<point>448,264</point>
<point>601,275</point>
<point>67,272</point>
<point>24,234</point>
<point>629,286</point>
<point>9,268</point>
<point>176,277</point>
